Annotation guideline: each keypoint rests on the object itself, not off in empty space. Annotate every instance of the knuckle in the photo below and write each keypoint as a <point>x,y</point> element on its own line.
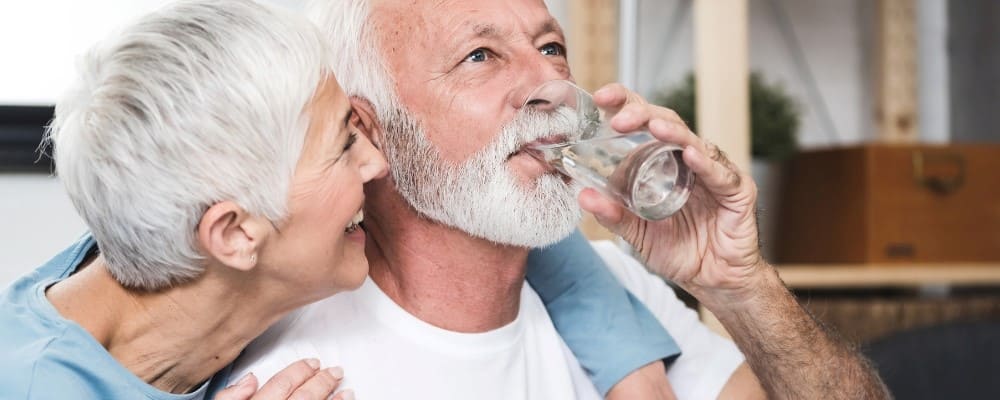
<point>672,115</point>
<point>326,382</point>
<point>734,179</point>
<point>283,385</point>
<point>319,387</point>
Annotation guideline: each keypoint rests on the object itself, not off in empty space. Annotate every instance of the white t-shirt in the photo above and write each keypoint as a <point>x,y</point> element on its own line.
<point>387,353</point>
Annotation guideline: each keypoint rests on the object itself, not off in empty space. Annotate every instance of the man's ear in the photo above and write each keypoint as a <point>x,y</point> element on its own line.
<point>364,118</point>
<point>232,236</point>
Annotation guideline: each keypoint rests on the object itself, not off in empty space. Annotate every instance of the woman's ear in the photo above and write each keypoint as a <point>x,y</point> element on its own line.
<point>232,236</point>
<point>364,118</point>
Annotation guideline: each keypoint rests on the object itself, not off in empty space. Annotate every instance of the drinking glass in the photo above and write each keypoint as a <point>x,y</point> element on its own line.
<point>646,175</point>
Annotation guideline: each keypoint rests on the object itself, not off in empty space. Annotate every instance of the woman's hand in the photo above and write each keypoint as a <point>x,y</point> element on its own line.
<point>710,246</point>
<point>301,380</point>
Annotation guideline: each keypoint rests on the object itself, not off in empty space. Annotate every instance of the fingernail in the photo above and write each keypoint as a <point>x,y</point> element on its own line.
<point>312,362</point>
<point>244,380</point>
<point>336,372</point>
<point>347,394</point>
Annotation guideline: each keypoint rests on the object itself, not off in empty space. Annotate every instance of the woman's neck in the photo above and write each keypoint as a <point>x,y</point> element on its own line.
<point>174,339</point>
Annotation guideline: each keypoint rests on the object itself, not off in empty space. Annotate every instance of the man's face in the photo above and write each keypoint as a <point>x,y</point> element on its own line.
<point>463,70</point>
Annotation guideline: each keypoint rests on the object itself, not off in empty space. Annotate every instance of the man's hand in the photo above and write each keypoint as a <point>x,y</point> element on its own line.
<point>301,380</point>
<point>710,246</point>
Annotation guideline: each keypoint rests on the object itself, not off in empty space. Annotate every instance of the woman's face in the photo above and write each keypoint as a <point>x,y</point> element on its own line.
<point>320,245</point>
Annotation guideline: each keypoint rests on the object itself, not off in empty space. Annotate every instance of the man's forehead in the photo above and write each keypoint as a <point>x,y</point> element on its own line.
<point>478,17</point>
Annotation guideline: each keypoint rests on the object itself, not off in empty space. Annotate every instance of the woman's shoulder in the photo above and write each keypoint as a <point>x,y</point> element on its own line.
<point>40,351</point>
<point>39,359</point>
<point>44,358</point>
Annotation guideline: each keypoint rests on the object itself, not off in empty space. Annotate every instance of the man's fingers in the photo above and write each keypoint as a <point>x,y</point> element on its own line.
<point>242,390</point>
<point>674,133</point>
<point>716,172</point>
<point>613,97</point>
<point>320,386</point>
<point>284,383</point>
<point>631,118</point>
<point>608,212</point>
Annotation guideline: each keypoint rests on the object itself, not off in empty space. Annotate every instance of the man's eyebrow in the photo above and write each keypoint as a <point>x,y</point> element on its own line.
<point>551,26</point>
<point>491,30</point>
<point>486,30</point>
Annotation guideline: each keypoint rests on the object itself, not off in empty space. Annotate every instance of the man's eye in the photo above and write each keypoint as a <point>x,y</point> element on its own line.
<point>553,49</point>
<point>477,55</point>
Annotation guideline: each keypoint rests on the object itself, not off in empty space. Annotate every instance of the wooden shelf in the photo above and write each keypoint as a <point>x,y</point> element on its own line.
<point>850,276</point>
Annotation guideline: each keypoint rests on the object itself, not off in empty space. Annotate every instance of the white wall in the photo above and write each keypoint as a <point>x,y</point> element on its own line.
<point>37,220</point>
<point>42,38</point>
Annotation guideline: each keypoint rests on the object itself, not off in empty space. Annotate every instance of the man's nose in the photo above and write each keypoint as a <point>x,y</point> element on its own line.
<point>536,73</point>
<point>550,95</point>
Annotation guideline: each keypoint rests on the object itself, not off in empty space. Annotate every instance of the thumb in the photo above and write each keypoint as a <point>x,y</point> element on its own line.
<point>242,390</point>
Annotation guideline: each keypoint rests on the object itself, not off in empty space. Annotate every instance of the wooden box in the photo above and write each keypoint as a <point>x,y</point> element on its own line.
<point>891,204</point>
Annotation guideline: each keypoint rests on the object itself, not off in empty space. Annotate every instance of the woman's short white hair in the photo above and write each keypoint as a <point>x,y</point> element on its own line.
<point>200,102</point>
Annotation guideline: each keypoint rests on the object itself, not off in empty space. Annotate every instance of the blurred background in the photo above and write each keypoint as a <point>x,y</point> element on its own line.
<point>870,127</point>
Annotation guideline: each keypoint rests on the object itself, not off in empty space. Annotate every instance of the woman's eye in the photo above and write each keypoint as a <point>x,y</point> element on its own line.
<point>553,49</point>
<point>351,139</point>
<point>477,55</point>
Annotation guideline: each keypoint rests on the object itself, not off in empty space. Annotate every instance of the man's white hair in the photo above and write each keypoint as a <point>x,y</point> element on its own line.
<point>351,34</point>
<point>199,102</point>
<point>479,196</point>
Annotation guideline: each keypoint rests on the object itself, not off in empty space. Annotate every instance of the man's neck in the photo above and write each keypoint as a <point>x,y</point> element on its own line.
<point>444,276</point>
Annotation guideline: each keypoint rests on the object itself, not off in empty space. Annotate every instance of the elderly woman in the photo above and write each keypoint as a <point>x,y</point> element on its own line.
<point>219,167</point>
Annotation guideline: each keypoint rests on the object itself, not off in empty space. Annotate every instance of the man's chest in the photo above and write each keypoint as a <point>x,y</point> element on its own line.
<point>385,358</point>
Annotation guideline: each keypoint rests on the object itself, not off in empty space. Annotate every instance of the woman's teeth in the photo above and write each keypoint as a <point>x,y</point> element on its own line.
<point>353,226</point>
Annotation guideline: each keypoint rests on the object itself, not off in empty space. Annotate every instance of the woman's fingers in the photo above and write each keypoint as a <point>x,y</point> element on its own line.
<point>347,394</point>
<point>321,385</point>
<point>300,374</point>
<point>241,390</point>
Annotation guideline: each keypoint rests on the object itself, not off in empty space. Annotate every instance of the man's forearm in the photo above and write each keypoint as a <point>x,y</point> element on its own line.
<point>792,356</point>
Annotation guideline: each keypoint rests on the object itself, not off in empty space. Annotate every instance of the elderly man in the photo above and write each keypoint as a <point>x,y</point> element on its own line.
<point>446,312</point>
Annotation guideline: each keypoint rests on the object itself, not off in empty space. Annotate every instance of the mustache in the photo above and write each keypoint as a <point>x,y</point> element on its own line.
<point>530,125</point>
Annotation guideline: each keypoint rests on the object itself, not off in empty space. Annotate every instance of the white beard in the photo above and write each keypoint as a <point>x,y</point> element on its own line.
<point>481,196</point>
